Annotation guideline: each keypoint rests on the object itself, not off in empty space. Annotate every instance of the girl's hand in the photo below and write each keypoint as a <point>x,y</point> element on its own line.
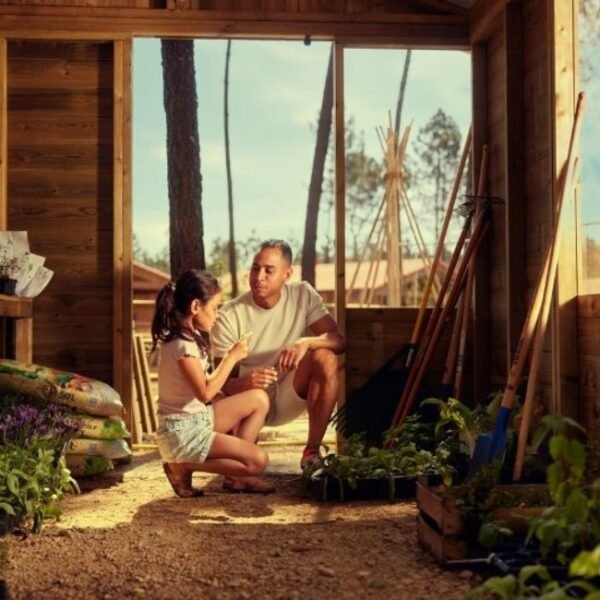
<point>262,377</point>
<point>239,350</point>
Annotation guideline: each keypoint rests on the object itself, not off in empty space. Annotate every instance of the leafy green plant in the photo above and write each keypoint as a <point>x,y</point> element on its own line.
<point>492,534</point>
<point>570,528</point>
<point>9,266</point>
<point>573,522</point>
<point>586,564</point>
<point>533,581</point>
<point>412,431</point>
<point>356,461</point>
<point>473,497</point>
<point>32,481</point>
<point>457,419</point>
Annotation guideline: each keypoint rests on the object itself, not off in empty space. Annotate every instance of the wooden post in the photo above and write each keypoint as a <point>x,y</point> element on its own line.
<point>3,128</point>
<point>515,178</point>
<point>122,226</point>
<point>340,206</point>
<point>392,226</point>
<point>481,354</point>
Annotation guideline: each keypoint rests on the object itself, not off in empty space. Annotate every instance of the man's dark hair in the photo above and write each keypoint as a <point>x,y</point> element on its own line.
<point>280,245</point>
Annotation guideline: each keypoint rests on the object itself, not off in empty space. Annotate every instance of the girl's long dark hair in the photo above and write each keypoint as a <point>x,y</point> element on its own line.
<point>173,305</point>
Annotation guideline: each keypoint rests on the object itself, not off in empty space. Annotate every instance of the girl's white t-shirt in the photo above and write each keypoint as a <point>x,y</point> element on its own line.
<point>272,328</point>
<point>175,394</point>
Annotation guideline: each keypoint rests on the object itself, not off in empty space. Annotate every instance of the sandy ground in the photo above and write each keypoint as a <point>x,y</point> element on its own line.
<point>127,536</point>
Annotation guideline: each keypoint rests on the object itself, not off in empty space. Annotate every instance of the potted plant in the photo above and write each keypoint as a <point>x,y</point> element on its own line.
<point>370,473</point>
<point>33,474</point>
<point>9,266</point>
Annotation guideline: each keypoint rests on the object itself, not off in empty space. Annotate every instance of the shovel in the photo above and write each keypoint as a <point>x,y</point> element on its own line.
<point>491,447</point>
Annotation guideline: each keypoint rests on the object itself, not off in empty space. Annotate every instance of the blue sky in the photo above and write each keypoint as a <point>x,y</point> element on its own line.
<point>275,95</point>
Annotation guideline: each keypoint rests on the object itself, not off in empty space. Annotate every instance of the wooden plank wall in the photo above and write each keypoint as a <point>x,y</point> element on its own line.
<point>537,132</point>
<point>496,268</point>
<point>375,334</point>
<point>589,363</point>
<point>60,189</point>
<point>520,172</point>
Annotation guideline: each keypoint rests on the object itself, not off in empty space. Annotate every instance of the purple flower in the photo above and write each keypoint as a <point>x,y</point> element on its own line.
<point>23,423</point>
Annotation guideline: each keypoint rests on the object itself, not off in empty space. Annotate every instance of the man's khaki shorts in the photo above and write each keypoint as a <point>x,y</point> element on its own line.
<point>285,403</point>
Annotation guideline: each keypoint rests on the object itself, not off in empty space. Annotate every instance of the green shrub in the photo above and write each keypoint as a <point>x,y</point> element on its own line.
<point>32,481</point>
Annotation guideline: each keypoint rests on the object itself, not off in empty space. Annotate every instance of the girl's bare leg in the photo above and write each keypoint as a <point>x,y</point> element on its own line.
<point>238,458</point>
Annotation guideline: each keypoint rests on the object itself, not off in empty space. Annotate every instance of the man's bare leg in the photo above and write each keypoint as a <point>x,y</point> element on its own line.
<point>317,380</point>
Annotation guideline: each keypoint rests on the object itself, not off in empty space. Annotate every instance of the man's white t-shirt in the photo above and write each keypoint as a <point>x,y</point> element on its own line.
<point>272,328</point>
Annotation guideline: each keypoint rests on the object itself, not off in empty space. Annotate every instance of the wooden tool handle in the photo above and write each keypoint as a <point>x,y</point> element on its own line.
<point>566,184</point>
<point>548,271</point>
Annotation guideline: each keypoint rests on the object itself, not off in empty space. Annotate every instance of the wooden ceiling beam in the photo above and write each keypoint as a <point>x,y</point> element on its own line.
<point>484,16</point>
<point>411,30</point>
<point>444,6</point>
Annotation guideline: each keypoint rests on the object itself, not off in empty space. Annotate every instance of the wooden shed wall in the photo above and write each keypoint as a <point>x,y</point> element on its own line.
<point>60,190</point>
<point>376,334</point>
<point>496,255</point>
<point>515,73</point>
<point>538,180</point>
<point>589,363</point>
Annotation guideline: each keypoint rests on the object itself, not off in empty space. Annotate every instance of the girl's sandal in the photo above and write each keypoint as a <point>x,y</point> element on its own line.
<point>257,486</point>
<point>182,485</point>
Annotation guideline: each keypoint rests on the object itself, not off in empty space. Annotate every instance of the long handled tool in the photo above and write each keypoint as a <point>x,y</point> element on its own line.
<point>438,251</point>
<point>340,419</point>
<point>479,230</point>
<point>433,318</point>
<point>534,368</point>
<point>465,306</point>
<point>488,447</point>
<point>567,184</point>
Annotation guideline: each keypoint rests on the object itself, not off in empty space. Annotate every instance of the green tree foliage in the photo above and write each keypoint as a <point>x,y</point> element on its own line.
<point>159,261</point>
<point>592,258</point>
<point>364,189</point>
<point>218,256</point>
<point>589,12</point>
<point>438,147</point>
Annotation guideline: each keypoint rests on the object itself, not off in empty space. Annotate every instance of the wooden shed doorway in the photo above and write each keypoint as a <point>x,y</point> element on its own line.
<point>368,91</point>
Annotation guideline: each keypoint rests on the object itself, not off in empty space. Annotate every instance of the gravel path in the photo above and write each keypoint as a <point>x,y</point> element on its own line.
<point>128,536</point>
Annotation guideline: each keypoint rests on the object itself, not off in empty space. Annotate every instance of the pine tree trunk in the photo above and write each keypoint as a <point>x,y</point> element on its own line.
<point>183,157</point>
<point>231,247</point>
<point>402,92</point>
<point>309,248</point>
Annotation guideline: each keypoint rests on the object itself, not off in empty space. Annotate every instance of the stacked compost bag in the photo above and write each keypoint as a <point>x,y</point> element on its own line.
<point>103,439</point>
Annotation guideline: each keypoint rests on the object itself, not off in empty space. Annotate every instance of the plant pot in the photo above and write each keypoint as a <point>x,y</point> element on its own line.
<point>8,286</point>
<point>8,523</point>
<point>330,489</point>
<point>371,488</point>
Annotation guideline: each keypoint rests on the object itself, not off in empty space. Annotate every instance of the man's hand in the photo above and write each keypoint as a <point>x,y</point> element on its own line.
<point>262,377</point>
<point>290,356</point>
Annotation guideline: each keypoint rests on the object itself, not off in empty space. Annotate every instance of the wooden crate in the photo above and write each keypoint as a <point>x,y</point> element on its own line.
<point>446,534</point>
<point>440,507</point>
<point>441,528</point>
<point>442,547</point>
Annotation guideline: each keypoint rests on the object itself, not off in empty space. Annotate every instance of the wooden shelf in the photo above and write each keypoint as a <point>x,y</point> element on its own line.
<point>21,310</point>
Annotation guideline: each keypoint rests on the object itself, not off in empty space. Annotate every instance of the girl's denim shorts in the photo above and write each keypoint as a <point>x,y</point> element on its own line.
<point>186,438</point>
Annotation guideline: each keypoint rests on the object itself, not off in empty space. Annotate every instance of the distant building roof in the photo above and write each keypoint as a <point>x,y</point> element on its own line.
<point>148,279</point>
<point>325,274</point>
